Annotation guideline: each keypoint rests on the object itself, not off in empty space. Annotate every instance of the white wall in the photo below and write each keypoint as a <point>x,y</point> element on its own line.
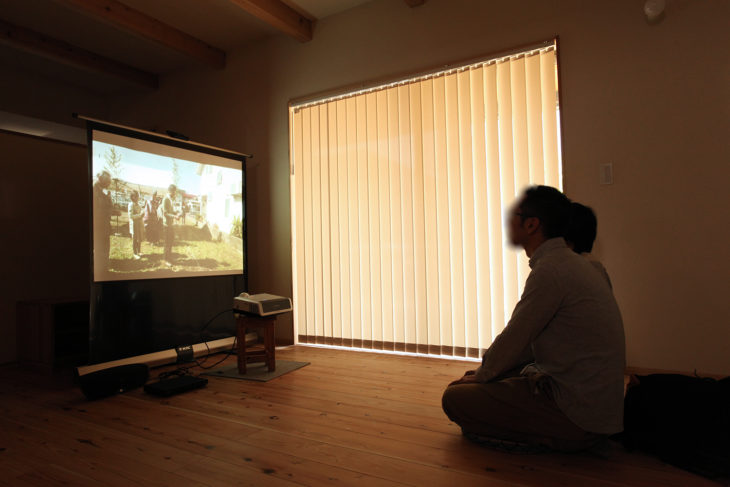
<point>652,100</point>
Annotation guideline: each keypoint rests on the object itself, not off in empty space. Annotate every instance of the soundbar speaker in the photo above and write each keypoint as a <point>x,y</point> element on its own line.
<point>107,382</point>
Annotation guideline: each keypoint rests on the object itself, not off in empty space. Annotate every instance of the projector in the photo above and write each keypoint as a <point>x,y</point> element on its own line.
<point>261,304</point>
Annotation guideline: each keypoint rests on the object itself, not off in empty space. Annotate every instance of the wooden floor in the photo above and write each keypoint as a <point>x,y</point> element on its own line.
<point>348,418</point>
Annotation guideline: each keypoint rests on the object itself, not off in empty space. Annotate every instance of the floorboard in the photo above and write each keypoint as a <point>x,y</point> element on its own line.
<point>348,418</point>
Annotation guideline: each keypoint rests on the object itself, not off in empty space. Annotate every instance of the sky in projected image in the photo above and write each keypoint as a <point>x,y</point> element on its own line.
<point>149,169</point>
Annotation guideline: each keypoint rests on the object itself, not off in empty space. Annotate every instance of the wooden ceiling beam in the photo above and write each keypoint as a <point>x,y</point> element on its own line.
<point>135,22</point>
<point>65,53</point>
<point>280,16</point>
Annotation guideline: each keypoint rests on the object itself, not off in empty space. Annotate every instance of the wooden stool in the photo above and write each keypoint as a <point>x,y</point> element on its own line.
<point>256,353</point>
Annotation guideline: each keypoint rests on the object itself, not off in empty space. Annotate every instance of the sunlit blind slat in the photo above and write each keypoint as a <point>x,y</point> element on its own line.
<point>494,205</point>
<point>353,237</point>
<point>385,313</point>
<point>297,211</point>
<point>361,250</point>
<point>408,327</point>
<point>420,324</point>
<point>374,331</point>
<point>315,227</point>
<point>432,310</point>
<point>335,325</point>
<point>466,166</point>
<point>305,169</point>
<point>396,334</point>
<point>398,202</point>
<point>549,92</point>
<point>483,295</point>
<point>506,171</point>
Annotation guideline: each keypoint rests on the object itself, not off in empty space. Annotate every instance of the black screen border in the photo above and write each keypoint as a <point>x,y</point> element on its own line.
<point>180,293</point>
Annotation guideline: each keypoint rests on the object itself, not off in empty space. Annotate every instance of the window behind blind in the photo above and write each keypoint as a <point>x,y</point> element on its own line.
<point>398,195</point>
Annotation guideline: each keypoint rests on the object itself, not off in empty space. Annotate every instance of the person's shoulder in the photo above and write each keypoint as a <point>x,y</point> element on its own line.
<point>594,262</point>
<point>598,266</point>
<point>563,265</point>
<point>553,253</point>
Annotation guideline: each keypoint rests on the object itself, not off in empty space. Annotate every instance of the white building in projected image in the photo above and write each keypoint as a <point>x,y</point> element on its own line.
<point>221,193</point>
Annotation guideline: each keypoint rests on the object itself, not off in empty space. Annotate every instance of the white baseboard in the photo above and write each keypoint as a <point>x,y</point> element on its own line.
<point>164,357</point>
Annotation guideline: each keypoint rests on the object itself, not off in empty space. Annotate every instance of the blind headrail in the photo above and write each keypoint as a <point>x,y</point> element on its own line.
<point>513,54</point>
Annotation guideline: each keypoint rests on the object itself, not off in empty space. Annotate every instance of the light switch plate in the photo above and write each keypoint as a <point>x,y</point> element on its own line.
<point>605,175</point>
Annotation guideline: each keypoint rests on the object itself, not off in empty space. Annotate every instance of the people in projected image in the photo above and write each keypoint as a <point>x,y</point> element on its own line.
<point>553,378</point>
<point>170,214</point>
<point>184,209</point>
<point>134,209</point>
<point>151,221</point>
<point>581,233</point>
<point>103,210</point>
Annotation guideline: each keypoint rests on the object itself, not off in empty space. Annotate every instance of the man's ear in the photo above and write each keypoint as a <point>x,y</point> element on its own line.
<point>532,225</point>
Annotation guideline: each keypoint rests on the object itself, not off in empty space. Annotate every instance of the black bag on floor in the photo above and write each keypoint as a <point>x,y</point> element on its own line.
<point>683,420</point>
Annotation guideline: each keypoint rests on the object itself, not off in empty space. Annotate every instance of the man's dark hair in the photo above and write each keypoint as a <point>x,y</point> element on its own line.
<point>582,228</point>
<point>548,205</point>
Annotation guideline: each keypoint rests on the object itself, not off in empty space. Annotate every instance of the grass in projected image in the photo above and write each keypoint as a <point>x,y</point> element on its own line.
<point>196,249</point>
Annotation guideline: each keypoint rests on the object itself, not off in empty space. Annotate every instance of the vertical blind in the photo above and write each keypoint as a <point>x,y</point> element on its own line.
<point>398,199</point>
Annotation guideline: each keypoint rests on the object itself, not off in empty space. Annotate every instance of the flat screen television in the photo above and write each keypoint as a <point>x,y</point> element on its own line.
<point>168,240</point>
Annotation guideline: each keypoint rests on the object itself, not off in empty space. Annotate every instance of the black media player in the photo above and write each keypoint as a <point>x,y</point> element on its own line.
<point>170,387</point>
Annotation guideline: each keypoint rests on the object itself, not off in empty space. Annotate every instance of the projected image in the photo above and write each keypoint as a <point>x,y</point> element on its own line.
<point>157,216</point>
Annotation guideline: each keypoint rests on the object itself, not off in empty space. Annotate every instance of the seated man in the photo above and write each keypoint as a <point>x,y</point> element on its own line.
<point>581,233</point>
<point>553,379</point>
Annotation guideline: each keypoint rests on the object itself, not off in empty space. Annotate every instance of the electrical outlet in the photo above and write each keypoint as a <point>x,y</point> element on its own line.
<point>605,174</point>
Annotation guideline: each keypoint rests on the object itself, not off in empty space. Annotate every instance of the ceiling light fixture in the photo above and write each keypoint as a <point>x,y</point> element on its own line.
<point>654,10</point>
